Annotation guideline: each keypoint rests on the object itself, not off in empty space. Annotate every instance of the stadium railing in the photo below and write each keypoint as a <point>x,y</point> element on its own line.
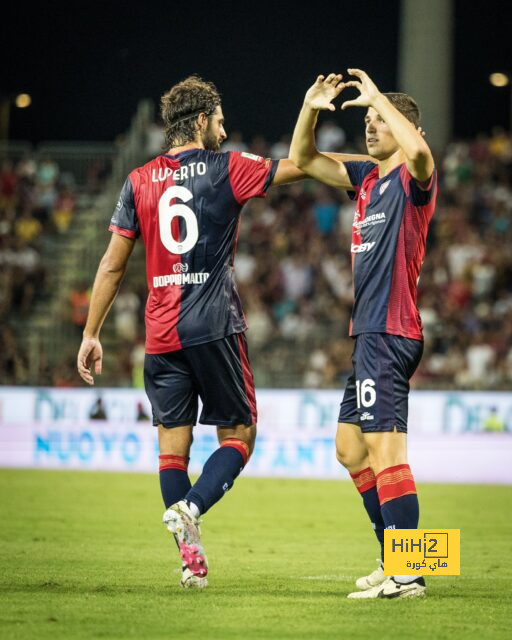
<point>47,334</point>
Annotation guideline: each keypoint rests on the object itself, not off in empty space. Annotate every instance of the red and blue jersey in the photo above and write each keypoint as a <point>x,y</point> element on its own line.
<point>388,248</point>
<point>186,208</point>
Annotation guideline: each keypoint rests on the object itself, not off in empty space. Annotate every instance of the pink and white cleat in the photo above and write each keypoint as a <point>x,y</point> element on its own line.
<point>180,521</point>
<point>190,580</point>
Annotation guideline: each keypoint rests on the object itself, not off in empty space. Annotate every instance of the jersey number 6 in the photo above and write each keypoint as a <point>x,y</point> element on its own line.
<point>166,214</point>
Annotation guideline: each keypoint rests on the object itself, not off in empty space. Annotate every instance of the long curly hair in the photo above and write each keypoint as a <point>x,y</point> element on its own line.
<point>180,106</point>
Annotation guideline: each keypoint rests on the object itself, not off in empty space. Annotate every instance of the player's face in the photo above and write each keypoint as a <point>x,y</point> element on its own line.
<point>379,141</point>
<point>214,134</point>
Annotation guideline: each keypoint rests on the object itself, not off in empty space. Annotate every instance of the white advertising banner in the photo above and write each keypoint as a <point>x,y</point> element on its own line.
<point>453,437</point>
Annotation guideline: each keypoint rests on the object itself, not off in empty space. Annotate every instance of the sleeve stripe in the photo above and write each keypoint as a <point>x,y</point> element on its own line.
<point>127,233</point>
<point>270,177</point>
<point>420,194</point>
<point>427,185</point>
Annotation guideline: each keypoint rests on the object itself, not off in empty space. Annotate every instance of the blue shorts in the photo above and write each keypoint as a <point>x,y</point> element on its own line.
<point>218,372</point>
<point>377,392</point>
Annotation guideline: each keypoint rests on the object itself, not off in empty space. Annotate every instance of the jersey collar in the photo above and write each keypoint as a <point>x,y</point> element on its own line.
<point>182,154</point>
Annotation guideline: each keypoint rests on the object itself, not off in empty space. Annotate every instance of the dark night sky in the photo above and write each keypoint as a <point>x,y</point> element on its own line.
<point>87,65</point>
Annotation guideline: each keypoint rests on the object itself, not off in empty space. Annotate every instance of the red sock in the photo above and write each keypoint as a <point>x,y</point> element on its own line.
<point>397,496</point>
<point>174,480</point>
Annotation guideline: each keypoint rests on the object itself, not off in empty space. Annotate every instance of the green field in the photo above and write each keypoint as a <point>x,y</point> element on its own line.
<point>83,555</point>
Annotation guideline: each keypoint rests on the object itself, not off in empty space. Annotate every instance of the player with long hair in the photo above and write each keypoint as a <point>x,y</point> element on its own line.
<point>186,204</point>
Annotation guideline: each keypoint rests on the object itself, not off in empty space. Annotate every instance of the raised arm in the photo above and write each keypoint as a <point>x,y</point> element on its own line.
<point>106,284</point>
<point>288,172</point>
<point>303,151</point>
<point>419,160</point>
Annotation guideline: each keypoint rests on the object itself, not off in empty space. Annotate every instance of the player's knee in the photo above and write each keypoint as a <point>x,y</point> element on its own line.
<point>383,460</point>
<point>350,459</point>
<point>245,434</point>
<point>176,449</point>
<point>175,441</point>
<point>385,450</point>
<point>249,437</point>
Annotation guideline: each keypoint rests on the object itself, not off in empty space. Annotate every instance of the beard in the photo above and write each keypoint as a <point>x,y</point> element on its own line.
<point>210,140</point>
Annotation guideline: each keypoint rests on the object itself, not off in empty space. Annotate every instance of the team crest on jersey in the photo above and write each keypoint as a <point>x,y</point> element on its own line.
<point>384,186</point>
<point>180,268</point>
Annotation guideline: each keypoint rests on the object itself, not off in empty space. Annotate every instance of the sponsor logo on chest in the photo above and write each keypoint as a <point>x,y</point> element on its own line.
<point>361,248</point>
<point>179,277</point>
<point>370,220</point>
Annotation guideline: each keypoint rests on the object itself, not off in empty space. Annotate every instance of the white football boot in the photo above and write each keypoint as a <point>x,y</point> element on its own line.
<point>190,581</point>
<point>184,526</point>
<point>373,580</point>
<point>392,589</point>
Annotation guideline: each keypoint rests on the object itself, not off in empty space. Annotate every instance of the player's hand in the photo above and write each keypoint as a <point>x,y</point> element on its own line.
<point>368,91</point>
<point>323,92</point>
<point>90,353</point>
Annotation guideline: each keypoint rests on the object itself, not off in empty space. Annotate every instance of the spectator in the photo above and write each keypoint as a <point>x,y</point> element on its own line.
<point>64,209</point>
<point>325,210</point>
<point>126,307</point>
<point>330,136</point>
<point>8,185</point>
<point>155,139</point>
<point>97,411</point>
<point>281,148</point>
<point>142,416</point>
<point>47,173</point>
<point>79,303</point>
<point>27,227</point>
<point>235,142</point>
<point>137,362</point>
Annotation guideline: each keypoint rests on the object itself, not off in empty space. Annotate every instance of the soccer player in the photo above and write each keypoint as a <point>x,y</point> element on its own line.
<point>185,204</point>
<point>395,194</point>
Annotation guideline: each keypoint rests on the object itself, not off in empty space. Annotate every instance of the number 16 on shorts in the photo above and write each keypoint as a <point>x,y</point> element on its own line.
<point>365,393</point>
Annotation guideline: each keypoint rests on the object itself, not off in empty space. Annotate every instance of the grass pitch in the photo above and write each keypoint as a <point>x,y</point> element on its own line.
<point>83,555</point>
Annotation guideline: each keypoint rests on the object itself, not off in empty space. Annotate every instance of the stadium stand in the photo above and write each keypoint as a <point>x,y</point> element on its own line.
<point>292,266</point>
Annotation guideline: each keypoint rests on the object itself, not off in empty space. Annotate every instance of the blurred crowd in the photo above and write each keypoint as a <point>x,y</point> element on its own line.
<point>293,272</point>
<point>38,202</point>
<point>35,200</point>
<point>294,276</point>
<point>466,284</point>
